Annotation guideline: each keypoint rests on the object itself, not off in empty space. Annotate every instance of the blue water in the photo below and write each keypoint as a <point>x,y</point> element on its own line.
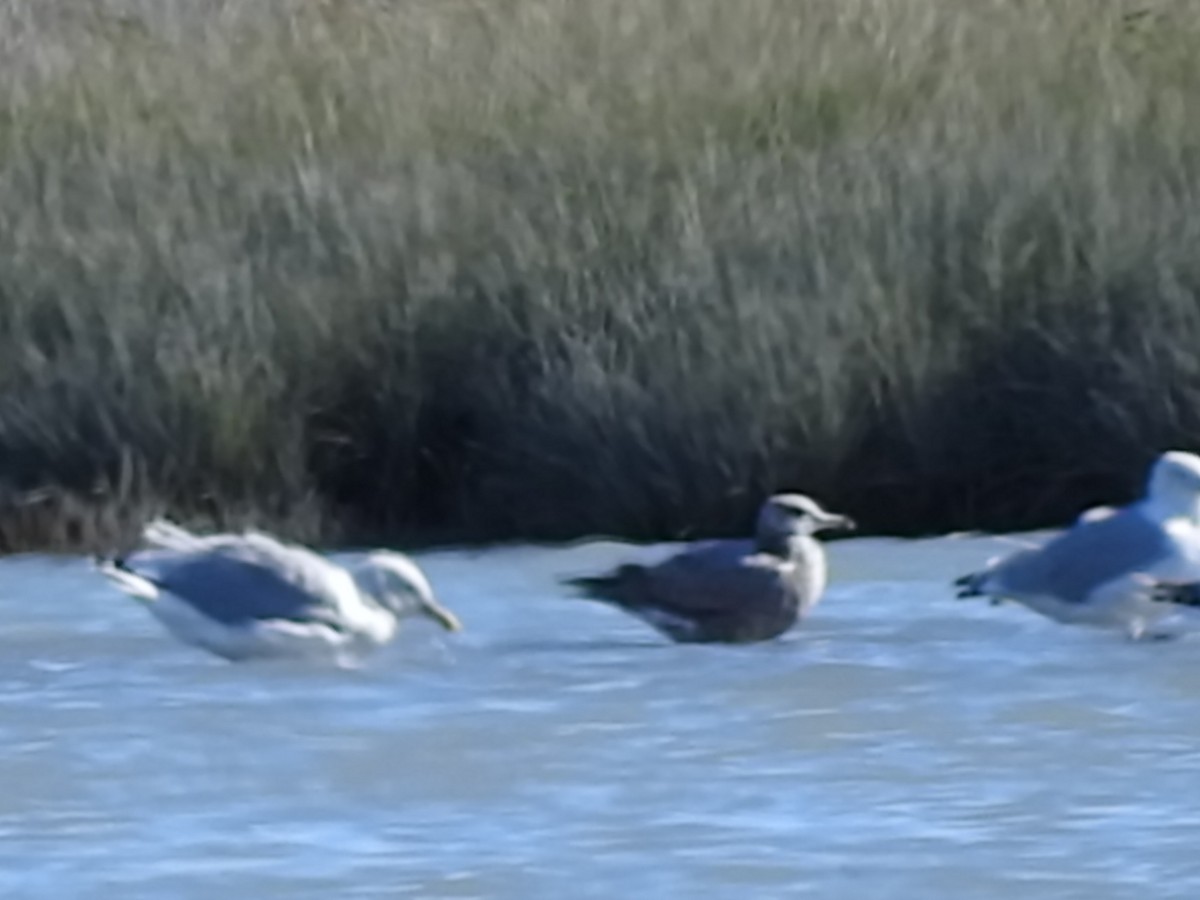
<point>900,744</point>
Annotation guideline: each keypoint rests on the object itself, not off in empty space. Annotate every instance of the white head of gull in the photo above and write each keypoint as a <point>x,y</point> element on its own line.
<point>1105,570</point>
<point>733,592</point>
<point>244,596</point>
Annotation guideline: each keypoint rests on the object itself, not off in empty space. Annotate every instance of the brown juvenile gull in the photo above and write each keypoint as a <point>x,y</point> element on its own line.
<point>1103,570</point>
<point>249,595</point>
<point>732,592</point>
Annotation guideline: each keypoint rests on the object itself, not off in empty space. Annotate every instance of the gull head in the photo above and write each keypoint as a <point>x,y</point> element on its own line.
<point>1174,485</point>
<point>399,586</point>
<point>786,516</point>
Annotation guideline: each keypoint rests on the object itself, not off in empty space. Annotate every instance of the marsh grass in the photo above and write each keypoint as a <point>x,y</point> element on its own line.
<point>466,270</point>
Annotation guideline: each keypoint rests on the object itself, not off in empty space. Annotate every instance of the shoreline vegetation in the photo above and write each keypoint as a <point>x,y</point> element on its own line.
<point>466,271</point>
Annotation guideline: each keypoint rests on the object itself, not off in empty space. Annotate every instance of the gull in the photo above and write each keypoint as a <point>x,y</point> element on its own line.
<point>734,592</point>
<point>1104,570</point>
<point>243,596</point>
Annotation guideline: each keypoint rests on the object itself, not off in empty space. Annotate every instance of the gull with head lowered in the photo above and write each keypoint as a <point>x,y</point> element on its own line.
<point>1104,571</point>
<point>244,596</point>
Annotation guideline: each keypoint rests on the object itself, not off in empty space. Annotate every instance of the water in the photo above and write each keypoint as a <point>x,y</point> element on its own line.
<point>900,745</point>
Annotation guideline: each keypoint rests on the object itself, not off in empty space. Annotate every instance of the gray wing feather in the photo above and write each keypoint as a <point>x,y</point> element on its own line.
<point>239,578</point>
<point>709,555</point>
<point>1081,559</point>
<point>716,578</point>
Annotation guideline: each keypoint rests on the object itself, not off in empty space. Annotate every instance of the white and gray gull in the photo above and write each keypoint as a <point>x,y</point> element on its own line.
<point>244,596</point>
<point>1109,568</point>
<point>730,591</point>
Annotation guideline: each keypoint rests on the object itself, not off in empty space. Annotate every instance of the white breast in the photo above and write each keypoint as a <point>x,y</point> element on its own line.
<point>1184,563</point>
<point>815,571</point>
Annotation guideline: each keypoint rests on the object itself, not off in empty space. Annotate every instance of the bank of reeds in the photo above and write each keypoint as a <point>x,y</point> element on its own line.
<point>489,269</point>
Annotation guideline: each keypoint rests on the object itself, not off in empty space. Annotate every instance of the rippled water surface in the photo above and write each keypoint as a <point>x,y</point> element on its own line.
<point>900,744</point>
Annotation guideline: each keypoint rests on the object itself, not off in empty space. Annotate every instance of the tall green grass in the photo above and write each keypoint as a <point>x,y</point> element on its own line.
<point>487,269</point>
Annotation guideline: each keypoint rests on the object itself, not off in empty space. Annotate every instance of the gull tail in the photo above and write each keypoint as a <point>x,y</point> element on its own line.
<point>593,587</point>
<point>978,583</point>
<point>970,585</point>
<point>609,588</point>
<point>1179,594</point>
<point>117,571</point>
